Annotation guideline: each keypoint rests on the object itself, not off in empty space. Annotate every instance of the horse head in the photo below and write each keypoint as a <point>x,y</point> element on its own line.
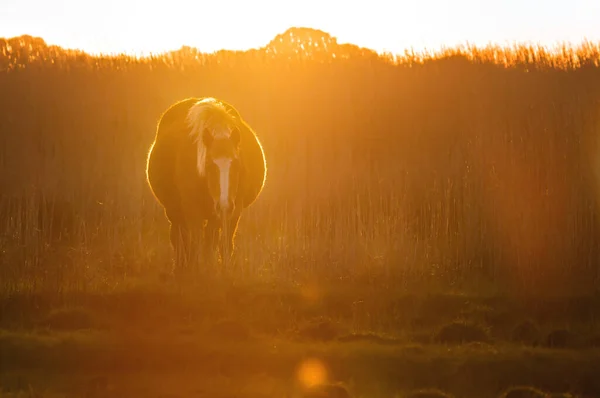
<point>216,133</point>
<point>222,167</point>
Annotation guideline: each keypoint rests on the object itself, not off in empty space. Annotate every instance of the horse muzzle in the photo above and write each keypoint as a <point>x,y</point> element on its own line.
<point>224,210</point>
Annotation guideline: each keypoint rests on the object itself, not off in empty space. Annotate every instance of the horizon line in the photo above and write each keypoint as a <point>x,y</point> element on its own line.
<point>550,46</point>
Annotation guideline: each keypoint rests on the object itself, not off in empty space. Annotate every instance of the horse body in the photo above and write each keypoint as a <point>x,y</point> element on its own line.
<point>205,167</point>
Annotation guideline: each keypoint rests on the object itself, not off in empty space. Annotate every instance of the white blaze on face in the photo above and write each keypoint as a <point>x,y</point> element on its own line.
<point>224,165</point>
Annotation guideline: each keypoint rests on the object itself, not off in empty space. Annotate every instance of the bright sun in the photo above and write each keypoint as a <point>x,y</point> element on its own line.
<point>236,25</point>
<point>140,26</point>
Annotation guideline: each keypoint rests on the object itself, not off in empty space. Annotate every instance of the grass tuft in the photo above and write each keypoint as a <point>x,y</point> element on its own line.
<point>428,393</point>
<point>523,392</point>
<point>526,332</point>
<point>230,329</point>
<point>460,332</point>
<point>319,329</point>
<point>560,338</point>
<point>367,338</point>
<point>70,319</point>
<point>327,390</point>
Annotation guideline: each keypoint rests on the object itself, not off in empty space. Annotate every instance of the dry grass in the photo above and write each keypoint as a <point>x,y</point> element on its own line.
<point>427,183</point>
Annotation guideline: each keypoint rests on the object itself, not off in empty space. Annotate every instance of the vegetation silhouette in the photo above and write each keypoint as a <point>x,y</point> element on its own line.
<point>462,163</point>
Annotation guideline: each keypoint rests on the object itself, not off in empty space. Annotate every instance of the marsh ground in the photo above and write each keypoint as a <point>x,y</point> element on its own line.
<point>265,341</point>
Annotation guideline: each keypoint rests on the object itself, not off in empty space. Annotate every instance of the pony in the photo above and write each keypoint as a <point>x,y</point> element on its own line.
<point>205,166</point>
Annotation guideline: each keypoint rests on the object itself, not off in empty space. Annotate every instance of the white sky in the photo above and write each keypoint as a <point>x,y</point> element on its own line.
<point>137,26</point>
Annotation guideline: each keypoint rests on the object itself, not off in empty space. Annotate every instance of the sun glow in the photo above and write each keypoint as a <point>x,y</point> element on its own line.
<point>142,28</point>
<point>312,372</point>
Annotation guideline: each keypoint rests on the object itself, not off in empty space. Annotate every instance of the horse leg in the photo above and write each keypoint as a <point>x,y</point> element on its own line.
<point>194,245</point>
<point>180,240</point>
<point>227,244</point>
<point>211,238</point>
<point>186,241</point>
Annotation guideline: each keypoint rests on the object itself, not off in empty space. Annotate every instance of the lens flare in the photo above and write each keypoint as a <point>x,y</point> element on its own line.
<point>312,372</point>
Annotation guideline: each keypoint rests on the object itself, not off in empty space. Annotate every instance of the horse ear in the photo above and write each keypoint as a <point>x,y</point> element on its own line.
<point>207,137</point>
<point>235,136</point>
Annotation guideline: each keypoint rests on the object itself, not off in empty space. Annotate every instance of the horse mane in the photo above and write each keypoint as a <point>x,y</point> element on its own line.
<point>207,113</point>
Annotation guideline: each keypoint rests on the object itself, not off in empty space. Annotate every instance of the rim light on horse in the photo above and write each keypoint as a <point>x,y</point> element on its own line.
<point>205,166</point>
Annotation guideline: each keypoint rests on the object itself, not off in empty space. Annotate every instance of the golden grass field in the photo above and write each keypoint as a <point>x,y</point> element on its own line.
<point>429,225</point>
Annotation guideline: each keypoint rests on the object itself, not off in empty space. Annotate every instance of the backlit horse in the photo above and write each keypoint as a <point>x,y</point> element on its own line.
<point>205,166</point>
